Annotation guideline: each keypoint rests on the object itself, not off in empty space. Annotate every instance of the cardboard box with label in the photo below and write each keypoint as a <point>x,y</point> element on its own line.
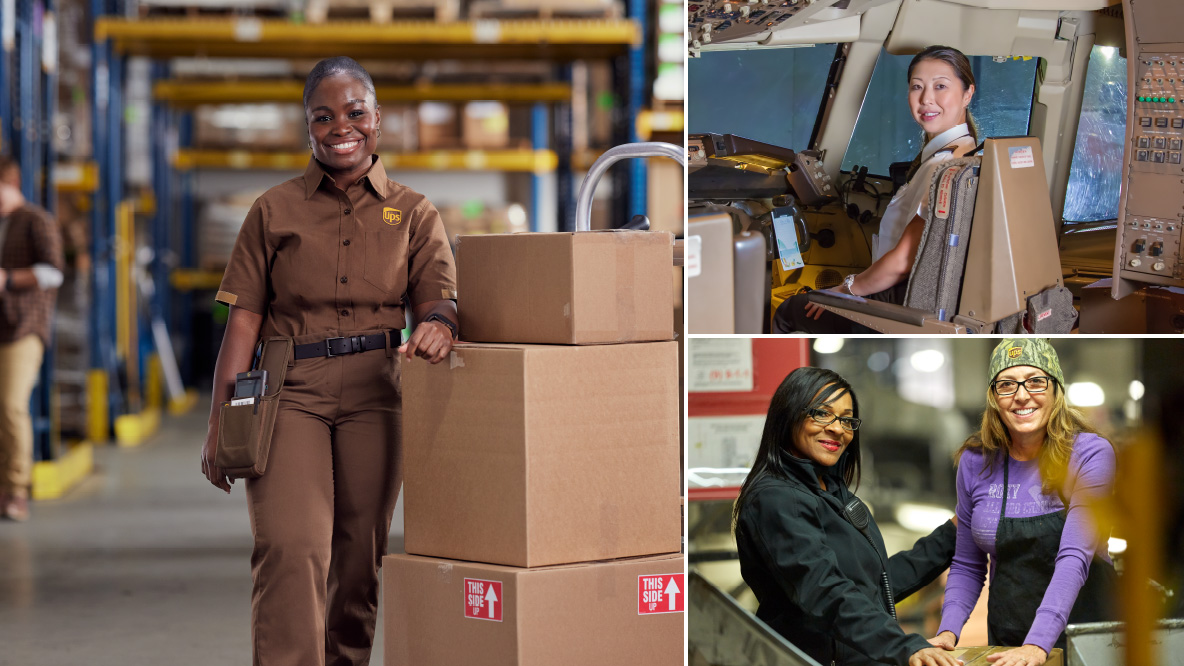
<point>533,455</point>
<point>566,288</point>
<point>440,612</point>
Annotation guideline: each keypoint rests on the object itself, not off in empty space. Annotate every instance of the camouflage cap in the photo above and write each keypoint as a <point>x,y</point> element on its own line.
<point>1036,352</point>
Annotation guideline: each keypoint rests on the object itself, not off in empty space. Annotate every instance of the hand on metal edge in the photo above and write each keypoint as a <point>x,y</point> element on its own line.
<point>431,341</point>
<point>208,468</point>
<point>933,656</point>
<point>1028,655</point>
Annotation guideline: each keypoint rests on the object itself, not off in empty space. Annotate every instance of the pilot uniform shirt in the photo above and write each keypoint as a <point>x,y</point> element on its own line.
<point>318,262</point>
<point>912,198</point>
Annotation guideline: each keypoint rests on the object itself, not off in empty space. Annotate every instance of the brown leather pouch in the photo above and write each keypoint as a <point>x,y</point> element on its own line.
<point>244,430</point>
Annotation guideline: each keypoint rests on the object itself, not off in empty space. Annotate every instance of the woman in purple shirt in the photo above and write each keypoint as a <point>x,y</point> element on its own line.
<point>1024,482</point>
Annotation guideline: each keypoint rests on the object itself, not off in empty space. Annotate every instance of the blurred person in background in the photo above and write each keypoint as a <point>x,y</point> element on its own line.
<point>30,273</point>
<point>1024,484</point>
<point>809,548</point>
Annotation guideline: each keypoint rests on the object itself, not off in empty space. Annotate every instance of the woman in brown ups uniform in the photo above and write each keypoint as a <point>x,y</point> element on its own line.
<point>331,259</point>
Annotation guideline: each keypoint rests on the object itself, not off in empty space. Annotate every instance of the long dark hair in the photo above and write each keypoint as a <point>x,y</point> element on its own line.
<point>802,390</point>
<point>961,65</point>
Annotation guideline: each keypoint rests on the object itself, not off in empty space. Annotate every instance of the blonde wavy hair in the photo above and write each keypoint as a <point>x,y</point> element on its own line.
<point>1065,423</point>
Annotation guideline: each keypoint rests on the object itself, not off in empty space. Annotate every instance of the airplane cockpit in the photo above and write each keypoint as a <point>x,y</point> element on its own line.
<point>1065,217</point>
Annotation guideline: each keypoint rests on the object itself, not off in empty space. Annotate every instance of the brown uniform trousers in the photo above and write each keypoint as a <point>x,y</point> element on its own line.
<point>319,261</point>
<point>322,512</point>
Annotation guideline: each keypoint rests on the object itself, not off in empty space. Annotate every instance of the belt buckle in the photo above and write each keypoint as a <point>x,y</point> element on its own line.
<point>329,347</point>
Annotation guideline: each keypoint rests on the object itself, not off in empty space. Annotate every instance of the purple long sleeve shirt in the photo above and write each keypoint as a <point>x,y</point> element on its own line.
<point>980,497</point>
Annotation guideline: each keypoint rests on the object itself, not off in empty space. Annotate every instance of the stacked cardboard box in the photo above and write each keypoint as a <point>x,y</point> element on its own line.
<point>542,496</point>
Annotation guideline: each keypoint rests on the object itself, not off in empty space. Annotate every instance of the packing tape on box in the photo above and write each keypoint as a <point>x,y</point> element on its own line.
<point>444,573</point>
<point>455,361</point>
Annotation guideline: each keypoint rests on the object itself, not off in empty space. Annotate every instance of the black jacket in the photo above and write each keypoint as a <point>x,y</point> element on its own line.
<point>818,579</point>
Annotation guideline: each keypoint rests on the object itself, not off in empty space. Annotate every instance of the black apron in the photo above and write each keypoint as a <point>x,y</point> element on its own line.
<point>1025,556</point>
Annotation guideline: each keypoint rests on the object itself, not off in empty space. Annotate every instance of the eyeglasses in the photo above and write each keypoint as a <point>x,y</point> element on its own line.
<point>1031,384</point>
<point>825,418</point>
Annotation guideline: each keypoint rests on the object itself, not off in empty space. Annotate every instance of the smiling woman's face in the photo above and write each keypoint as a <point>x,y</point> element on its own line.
<point>1025,413</point>
<point>343,122</point>
<point>824,444</point>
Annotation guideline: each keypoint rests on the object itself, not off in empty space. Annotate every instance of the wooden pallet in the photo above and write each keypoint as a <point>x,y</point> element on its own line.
<point>545,9</point>
<point>381,11</point>
<point>214,8</point>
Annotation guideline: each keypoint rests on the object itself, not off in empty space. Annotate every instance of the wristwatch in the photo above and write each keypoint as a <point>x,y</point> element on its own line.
<point>443,320</point>
<point>847,282</point>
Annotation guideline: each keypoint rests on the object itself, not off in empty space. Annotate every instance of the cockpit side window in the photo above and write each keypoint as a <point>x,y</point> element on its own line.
<point>1095,173</point>
<point>1002,106</point>
<point>769,95</point>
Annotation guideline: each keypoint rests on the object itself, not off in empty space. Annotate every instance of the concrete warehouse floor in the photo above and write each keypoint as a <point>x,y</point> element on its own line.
<point>144,562</point>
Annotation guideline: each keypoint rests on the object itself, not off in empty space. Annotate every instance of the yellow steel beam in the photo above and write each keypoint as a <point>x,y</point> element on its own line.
<point>247,36</point>
<point>534,161</point>
<point>192,93</point>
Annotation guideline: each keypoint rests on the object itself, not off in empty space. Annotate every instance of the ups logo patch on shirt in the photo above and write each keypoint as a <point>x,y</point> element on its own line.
<point>392,216</point>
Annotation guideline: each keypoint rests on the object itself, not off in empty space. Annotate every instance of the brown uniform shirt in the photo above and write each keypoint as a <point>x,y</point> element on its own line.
<point>32,237</point>
<point>320,262</point>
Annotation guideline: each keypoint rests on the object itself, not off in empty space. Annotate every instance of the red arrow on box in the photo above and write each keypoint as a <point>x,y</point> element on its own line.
<point>661,593</point>
<point>483,599</point>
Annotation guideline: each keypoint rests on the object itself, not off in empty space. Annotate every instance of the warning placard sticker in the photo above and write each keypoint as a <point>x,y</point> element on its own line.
<point>483,599</point>
<point>1021,157</point>
<point>661,593</point>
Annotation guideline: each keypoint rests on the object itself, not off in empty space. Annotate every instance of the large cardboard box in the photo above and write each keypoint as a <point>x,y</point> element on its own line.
<point>566,288</point>
<point>533,455</point>
<point>437,612</point>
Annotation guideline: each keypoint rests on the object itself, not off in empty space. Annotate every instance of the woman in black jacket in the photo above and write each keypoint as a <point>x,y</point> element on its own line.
<point>808,547</point>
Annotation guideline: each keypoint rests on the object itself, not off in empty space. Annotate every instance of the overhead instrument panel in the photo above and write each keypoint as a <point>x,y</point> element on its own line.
<point>711,23</point>
<point>715,21</point>
<point>1151,211</point>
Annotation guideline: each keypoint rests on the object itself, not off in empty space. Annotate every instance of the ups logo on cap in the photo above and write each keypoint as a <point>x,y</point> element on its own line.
<point>1015,352</point>
<point>392,216</point>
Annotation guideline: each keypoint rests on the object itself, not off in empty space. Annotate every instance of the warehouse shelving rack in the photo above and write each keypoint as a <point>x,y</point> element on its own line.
<point>173,268</point>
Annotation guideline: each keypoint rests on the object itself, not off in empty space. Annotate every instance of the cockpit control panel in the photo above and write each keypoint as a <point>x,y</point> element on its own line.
<point>734,167</point>
<point>1151,212</point>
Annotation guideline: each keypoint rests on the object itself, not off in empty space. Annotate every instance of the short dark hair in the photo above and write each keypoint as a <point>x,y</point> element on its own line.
<point>332,67</point>
<point>802,390</point>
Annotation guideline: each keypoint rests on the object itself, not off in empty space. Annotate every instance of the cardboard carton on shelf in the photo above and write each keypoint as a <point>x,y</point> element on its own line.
<point>534,455</point>
<point>260,127</point>
<point>566,288</point>
<point>485,126</point>
<point>400,128</point>
<point>447,612</point>
<point>439,127</point>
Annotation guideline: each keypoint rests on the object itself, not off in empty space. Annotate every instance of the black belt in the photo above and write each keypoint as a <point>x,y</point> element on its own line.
<point>354,344</point>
